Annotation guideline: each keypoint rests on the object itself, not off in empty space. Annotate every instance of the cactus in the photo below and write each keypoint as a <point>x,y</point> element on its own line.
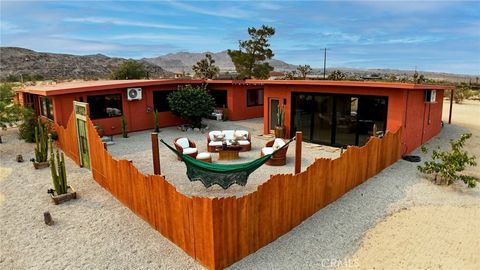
<point>375,130</point>
<point>155,121</point>
<point>280,115</point>
<point>57,167</point>
<point>124,127</point>
<point>41,142</point>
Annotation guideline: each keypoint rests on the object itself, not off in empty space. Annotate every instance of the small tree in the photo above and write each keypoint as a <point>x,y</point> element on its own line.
<point>129,70</point>
<point>418,78</point>
<point>206,68</point>
<point>304,70</point>
<point>446,165</point>
<point>337,75</point>
<point>462,92</point>
<point>290,75</point>
<point>10,113</point>
<point>191,103</point>
<point>249,59</point>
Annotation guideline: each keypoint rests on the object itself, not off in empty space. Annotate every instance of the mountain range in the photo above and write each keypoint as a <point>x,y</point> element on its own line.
<point>17,62</point>
<point>183,62</point>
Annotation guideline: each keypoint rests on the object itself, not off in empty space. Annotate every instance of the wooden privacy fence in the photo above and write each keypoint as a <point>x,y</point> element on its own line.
<point>67,139</point>
<point>220,231</point>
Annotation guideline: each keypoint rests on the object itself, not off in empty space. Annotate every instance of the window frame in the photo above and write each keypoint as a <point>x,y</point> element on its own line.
<point>258,101</point>
<point>106,115</point>
<point>48,110</point>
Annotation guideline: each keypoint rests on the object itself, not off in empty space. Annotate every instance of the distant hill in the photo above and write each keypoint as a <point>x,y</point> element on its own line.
<point>183,61</point>
<point>18,61</point>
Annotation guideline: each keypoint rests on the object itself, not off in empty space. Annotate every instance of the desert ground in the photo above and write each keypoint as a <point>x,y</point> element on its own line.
<point>398,219</point>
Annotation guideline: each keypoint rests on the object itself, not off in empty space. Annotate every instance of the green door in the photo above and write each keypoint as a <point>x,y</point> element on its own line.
<point>82,137</point>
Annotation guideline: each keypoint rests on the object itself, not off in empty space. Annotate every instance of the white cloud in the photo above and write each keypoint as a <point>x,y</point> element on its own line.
<point>10,28</point>
<point>229,12</point>
<point>102,20</point>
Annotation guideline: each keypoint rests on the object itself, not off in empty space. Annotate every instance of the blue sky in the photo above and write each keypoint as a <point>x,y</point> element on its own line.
<point>429,35</point>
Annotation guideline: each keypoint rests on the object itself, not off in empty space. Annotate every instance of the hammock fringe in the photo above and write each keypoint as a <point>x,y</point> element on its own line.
<point>223,175</point>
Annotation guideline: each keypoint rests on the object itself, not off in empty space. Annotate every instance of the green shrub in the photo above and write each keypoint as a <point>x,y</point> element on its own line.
<point>129,70</point>
<point>26,130</point>
<point>191,103</point>
<point>446,165</point>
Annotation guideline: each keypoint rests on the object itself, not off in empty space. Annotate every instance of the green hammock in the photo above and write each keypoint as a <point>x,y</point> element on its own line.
<point>223,175</point>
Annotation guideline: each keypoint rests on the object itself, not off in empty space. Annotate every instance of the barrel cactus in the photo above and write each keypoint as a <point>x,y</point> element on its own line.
<point>57,167</point>
<point>41,142</point>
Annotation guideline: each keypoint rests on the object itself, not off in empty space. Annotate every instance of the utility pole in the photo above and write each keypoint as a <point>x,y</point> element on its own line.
<point>325,64</point>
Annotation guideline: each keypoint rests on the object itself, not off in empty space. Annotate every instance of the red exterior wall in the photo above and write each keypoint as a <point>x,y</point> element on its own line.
<point>421,121</point>
<point>139,113</point>
<point>237,101</point>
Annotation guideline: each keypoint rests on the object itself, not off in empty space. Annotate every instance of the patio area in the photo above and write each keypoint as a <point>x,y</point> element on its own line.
<point>137,148</point>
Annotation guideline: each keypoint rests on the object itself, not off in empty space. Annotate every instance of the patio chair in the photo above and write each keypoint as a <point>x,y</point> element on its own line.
<point>185,146</point>
<point>280,157</point>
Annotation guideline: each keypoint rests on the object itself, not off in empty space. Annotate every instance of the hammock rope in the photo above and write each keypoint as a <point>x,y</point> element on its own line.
<point>223,175</point>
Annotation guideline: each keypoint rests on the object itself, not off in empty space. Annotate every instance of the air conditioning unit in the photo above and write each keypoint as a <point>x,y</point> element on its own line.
<point>430,96</point>
<point>134,94</point>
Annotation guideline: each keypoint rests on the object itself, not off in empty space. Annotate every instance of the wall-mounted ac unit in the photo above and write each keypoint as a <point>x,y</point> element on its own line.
<point>134,94</point>
<point>430,96</point>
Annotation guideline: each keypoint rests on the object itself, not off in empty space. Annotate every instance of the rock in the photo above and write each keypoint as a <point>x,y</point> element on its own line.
<point>196,129</point>
<point>48,218</point>
<point>19,158</point>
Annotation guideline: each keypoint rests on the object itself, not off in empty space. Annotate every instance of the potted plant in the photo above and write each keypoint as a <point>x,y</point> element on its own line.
<point>41,146</point>
<point>99,129</point>
<point>62,191</point>
<point>279,128</point>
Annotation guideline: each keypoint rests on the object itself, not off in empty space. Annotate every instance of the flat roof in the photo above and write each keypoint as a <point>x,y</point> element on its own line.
<point>88,86</point>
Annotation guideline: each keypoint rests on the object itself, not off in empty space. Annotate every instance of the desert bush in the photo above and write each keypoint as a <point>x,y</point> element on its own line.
<point>191,103</point>
<point>26,130</point>
<point>129,70</point>
<point>446,166</point>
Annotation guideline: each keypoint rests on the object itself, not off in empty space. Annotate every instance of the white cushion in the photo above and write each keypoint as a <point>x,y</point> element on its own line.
<point>241,133</point>
<point>267,150</point>
<point>189,150</point>
<point>183,142</point>
<point>243,142</point>
<point>214,143</point>
<point>212,133</point>
<point>203,155</point>
<point>278,143</point>
<point>228,134</point>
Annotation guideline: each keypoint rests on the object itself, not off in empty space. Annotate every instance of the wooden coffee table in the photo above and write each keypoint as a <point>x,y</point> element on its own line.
<point>230,153</point>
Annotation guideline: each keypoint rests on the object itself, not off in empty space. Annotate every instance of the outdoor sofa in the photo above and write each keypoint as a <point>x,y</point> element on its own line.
<point>216,138</point>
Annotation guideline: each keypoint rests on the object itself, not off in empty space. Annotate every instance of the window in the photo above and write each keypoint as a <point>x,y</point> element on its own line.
<point>46,107</point>
<point>220,97</point>
<point>160,101</point>
<point>254,97</point>
<point>105,106</point>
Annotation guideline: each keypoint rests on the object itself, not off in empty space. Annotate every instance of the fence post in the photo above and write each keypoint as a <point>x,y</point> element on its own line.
<point>298,152</point>
<point>451,106</point>
<point>155,154</point>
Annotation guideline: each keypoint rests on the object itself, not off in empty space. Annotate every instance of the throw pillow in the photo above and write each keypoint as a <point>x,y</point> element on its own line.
<point>218,138</point>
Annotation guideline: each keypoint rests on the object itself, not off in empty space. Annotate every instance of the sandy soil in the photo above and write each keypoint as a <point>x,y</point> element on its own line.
<point>397,216</point>
<point>433,227</point>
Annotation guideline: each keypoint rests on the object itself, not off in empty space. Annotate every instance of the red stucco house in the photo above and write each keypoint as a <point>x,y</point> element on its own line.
<point>327,112</point>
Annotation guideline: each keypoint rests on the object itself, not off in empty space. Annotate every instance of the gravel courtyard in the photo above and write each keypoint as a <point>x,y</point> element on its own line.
<point>137,148</point>
<point>361,228</point>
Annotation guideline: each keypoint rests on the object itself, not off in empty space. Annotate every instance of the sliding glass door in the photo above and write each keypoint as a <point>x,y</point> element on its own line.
<point>338,120</point>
